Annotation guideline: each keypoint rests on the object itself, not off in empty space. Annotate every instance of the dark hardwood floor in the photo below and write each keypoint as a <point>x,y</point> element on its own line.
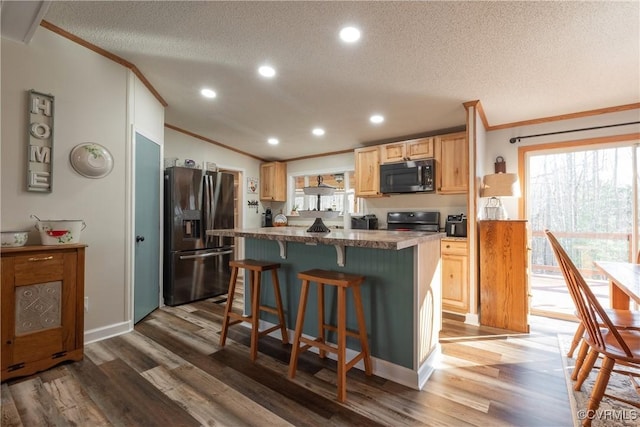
<point>170,371</point>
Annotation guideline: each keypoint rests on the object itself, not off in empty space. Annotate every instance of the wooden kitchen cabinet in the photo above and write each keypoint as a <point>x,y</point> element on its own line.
<point>455,275</point>
<point>42,307</point>
<point>367,171</point>
<point>452,163</point>
<point>273,182</point>
<point>414,149</point>
<point>504,288</point>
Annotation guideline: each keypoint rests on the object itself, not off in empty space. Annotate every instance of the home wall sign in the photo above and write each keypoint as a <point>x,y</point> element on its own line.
<point>40,149</point>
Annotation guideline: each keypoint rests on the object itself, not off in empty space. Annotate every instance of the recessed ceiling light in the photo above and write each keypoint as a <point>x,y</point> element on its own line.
<point>350,34</point>
<point>273,141</point>
<point>267,71</point>
<point>208,93</point>
<point>376,118</point>
<point>318,131</point>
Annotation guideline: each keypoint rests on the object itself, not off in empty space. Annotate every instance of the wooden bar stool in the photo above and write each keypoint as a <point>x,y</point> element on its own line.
<point>343,282</point>
<point>255,268</point>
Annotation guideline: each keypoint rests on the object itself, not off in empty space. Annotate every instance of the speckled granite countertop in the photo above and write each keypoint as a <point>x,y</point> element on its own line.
<point>378,239</point>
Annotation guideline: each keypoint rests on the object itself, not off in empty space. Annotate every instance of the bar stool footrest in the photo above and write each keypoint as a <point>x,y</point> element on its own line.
<point>269,309</point>
<point>318,343</point>
<point>350,364</point>
<point>238,319</point>
<point>268,331</point>
<point>349,332</point>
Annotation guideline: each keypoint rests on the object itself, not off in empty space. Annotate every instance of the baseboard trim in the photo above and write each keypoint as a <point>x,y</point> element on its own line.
<point>105,332</point>
<point>472,319</point>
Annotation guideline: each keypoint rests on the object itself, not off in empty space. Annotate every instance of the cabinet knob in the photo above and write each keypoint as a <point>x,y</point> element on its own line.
<point>448,246</point>
<point>139,239</point>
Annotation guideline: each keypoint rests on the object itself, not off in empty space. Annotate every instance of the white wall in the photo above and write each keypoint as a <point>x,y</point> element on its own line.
<point>498,144</point>
<point>337,162</point>
<point>182,146</point>
<point>90,106</point>
<point>148,113</point>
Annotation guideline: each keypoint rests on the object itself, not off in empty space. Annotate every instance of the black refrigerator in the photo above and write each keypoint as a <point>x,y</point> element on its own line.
<point>196,266</point>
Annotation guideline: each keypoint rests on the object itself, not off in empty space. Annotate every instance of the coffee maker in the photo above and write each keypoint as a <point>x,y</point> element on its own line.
<point>267,218</point>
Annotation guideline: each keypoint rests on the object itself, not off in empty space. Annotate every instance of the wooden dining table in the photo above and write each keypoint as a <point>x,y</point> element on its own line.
<point>624,282</point>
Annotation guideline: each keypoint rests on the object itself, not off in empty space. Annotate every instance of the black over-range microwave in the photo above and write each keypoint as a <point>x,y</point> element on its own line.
<point>408,177</point>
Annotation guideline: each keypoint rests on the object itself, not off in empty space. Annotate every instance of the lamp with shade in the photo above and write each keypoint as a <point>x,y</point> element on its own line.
<point>495,186</point>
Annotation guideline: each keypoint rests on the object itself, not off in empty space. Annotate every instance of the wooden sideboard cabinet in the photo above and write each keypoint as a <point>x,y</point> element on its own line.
<point>455,275</point>
<point>504,288</point>
<point>273,182</point>
<point>42,307</point>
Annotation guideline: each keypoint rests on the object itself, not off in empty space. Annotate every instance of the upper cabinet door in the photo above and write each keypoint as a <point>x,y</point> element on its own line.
<point>420,148</point>
<point>395,152</point>
<point>367,171</point>
<point>402,151</point>
<point>452,170</point>
<point>273,182</point>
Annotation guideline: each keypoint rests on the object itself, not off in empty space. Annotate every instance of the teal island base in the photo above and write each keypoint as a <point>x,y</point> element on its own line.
<point>401,297</point>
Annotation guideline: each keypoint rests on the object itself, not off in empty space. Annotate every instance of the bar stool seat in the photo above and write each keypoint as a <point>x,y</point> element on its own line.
<point>342,282</point>
<point>255,267</point>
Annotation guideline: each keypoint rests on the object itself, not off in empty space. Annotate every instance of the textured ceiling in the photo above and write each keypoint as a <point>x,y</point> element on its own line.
<point>416,63</point>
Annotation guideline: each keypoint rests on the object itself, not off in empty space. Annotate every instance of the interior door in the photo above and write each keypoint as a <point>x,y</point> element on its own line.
<point>146,295</point>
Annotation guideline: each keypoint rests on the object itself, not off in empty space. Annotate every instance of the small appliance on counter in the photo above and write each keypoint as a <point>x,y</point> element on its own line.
<point>365,222</point>
<point>267,218</point>
<point>456,225</point>
<point>413,221</point>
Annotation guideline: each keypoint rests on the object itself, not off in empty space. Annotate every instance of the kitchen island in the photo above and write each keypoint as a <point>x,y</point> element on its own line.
<point>401,294</point>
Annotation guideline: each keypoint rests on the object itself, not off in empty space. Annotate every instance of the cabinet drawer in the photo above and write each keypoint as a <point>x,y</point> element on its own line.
<point>40,267</point>
<point>457,247</point>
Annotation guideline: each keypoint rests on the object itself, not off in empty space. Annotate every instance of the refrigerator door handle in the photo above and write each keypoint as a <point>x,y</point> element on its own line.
<point>207,255</point>
<point>206,207</point>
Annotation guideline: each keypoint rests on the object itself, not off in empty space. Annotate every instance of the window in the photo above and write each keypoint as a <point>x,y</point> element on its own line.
<point>584,193</point>
<point>343,199</point>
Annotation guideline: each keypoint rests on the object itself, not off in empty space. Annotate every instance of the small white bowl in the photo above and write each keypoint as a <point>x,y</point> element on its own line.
<point>14,239</point>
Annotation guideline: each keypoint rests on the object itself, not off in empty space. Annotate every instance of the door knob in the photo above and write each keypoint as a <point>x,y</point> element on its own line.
<point>139,239</point>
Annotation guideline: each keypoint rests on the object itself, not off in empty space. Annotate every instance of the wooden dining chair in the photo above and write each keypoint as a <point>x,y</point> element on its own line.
<point>620,318</point>
<point>623,319</point>
<point>615,345</point>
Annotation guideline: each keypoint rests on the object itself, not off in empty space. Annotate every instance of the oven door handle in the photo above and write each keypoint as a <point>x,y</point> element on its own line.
<point>207,255</point>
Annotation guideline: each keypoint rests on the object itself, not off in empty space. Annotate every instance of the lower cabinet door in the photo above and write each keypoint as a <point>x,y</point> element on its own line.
<point>455,273</point>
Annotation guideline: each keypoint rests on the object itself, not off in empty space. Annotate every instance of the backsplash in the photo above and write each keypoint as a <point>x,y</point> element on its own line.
<point>445,204</point>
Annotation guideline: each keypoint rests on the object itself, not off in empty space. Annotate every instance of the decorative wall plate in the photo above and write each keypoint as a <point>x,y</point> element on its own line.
<point>91,160</point>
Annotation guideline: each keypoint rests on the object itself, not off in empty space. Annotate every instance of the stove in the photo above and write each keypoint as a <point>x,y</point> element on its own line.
<point>413,221</point>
